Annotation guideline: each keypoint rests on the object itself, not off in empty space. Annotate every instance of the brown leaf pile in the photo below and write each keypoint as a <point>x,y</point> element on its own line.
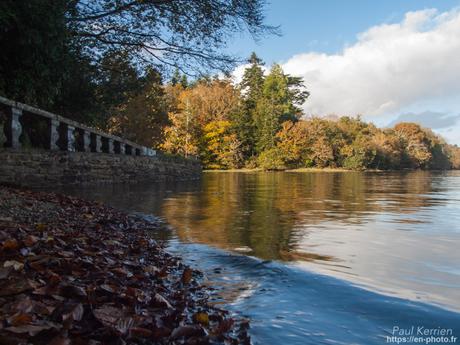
<point>77,272</point>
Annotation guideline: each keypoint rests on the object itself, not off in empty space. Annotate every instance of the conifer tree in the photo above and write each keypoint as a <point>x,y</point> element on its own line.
<point>251,87</point>
<point>175,79</point>
<point>279,101</point>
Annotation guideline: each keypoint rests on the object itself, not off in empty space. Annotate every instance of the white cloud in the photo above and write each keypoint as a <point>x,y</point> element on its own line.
<point>391,67</point>
<point>238,72</point>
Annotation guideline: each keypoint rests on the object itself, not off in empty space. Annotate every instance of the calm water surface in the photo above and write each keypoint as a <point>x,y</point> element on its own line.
<point>317,258</point>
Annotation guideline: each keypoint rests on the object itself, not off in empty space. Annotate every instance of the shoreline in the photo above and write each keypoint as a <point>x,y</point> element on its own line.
<point>299,170</point>
<point>75,271</point>
<point>245,170</point>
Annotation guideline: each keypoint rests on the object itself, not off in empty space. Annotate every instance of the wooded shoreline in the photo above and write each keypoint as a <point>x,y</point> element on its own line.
<point>326,169</point>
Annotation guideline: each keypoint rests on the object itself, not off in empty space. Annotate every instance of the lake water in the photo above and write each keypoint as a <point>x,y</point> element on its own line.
<point>316,257</point>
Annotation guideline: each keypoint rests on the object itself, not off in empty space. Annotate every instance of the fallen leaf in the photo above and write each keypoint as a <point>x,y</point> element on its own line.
<point>98,275</point>
<point>122,271</point>
<point>186,331</point>
<point>10,244</point>
<point>41,227</point>
<point>109,288</point>
<point>73,291</point>
<point>201,317</point>
<point>114,318</point>
<point>60,340</point>
<point>124,324</point>
<point>151,269</point>
<point>30,240</point>
<point>186,276</point>
<point>14,287</point>
<point>159,301</point>
<point>108,315</point>
<point>225,326</point>
<point>75,312</point>
<point>20,319</point>
<point>140,332</point>
<point>4,272</point>
<point>32,330</point>
<point>14,264</point>
<point>25,305</point>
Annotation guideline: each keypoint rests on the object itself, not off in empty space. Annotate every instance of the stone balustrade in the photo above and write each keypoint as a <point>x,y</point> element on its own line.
<point>23,123</point>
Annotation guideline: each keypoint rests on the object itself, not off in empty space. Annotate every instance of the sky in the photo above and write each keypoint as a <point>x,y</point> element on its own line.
<point>388,61</point>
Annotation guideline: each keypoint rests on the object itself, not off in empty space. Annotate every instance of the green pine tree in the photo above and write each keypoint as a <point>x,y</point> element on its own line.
<point>280,101</point>
<point>175,79</point>
<point>251,87</point>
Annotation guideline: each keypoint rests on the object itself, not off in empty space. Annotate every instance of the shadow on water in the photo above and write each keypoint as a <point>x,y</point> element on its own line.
<point>292,306</point>
<point>395,234</point>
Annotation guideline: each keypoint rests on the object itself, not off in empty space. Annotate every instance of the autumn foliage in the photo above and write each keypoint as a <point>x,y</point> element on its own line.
<point>259,123</point>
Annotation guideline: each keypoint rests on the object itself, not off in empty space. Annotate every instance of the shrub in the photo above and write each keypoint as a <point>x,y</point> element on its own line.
<point>271,159</point>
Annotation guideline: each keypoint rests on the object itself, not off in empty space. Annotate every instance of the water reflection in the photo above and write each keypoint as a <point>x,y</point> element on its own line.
<point>394,232</point>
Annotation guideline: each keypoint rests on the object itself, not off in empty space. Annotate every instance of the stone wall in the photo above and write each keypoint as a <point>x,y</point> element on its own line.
<point>32,168</point>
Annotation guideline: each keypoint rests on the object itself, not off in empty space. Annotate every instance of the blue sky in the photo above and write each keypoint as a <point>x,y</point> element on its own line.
<point>370,57</point>
<point>325,25</point>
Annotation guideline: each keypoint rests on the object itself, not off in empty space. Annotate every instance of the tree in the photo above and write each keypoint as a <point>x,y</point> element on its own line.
<point>294,142</point>
<point>202,113</point>
<point>142,117</point>
<point>34,53</point>
<point>253,82</point>
<point>78,98</point>
<point>454,156</point>
<point>279,102</point>
<point>180,34</point>
<point>389,150</point>
<point>297,95</point>
<point>356,147</point>
<point>175,79</point>
<point>271,159</point>
<point>213,100</point>
<point>183,134</point>
<point>417,146</point>
<point>267,123</point>
<point>221,147</point>
<point>360,154</point>
<point>118,81</point>
<point>439,151</point>
<point>326,141</point>
<point>64,55</point>
<point>251,88</point>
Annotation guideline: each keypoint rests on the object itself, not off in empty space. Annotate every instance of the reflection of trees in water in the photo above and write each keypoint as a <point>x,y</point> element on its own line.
<point>269,211</point>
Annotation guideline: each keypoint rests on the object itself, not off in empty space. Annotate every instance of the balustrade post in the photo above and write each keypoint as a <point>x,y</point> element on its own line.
<point>70,138</point>
<point>110,145</point>
<point>62,134</point>
<point>16,127</point>
<point>98,147</point>
<point>54,134</point>
<point>86,141</point>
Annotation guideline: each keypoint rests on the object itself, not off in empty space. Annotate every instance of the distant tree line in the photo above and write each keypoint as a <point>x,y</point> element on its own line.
<point>259,124</point>
<point>104,63</point>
